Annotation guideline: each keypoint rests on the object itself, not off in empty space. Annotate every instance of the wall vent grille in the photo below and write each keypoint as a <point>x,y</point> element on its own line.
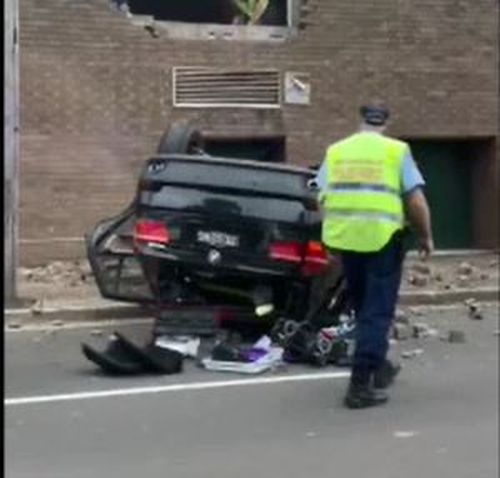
<point>209,87</point>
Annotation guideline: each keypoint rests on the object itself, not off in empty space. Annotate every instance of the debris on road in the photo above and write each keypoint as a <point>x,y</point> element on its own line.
<point>416,311</point>
<point>401,317</point>
<point>58,271</point>
<point>262,356</point>
<point>419,280</point>
<point>187,346</point>
<point>476,314</point>
<point>57,323</point>
<point>475,311</point>
<point>96,333</point>
<point>465,269</point>
<point>37,307</point>
<point>73,280</point>
<point>421,331</point>
<point>456,337</point>
<point>408,354</point>
<point>422,268</point>
<point>124,357</point>
<point>14,325</point>
<point>450,273</point>
<point>401,331</point>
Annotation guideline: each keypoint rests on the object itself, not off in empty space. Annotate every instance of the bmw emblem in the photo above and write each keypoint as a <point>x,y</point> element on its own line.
<point>214,256</point>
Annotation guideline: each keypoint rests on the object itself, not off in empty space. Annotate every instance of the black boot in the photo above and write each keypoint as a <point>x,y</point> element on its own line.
<point>364,397</point>
<point>361,394</point>
<point>385,375</point>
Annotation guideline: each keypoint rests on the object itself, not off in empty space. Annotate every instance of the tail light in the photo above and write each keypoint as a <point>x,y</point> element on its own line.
<point>315,258</point>
<point>150,231</point>
<point>312,256</point>
<point>286,251</point>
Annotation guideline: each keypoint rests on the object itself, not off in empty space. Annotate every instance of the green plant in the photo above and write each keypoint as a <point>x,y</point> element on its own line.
<point>252,9</point>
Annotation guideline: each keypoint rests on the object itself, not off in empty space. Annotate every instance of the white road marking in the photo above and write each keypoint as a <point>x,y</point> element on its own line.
<point>405,433</point>
<point>178,387</point>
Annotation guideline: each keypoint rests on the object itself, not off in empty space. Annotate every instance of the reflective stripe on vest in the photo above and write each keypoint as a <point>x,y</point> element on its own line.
<point>356,214</point>
<point>362,202</point>
<point>360,187</point>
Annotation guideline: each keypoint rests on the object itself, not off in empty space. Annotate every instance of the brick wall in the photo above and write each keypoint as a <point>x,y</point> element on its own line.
<point>96,94</point>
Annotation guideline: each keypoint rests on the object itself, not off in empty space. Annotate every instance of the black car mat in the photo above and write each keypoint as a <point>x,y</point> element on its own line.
<point>115,360</point>
<point>154,359</point>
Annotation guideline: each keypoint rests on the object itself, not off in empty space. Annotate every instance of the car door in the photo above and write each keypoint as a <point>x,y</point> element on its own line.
<point>117,270</point>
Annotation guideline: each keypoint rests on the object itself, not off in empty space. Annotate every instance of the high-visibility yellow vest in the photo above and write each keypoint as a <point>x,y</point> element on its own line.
<point>362,202</point>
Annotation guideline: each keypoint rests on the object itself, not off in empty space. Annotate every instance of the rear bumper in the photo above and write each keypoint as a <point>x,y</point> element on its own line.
<point>224,266</point>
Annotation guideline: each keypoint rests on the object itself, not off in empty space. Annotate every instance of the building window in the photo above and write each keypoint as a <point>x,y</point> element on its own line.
<point>225,12</point>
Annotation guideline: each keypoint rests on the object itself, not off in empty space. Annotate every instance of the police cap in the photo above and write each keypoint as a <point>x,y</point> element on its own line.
<point>374,115</point>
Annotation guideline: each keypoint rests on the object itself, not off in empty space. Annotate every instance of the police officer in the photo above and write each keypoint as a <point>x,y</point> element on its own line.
<point>369,186</point>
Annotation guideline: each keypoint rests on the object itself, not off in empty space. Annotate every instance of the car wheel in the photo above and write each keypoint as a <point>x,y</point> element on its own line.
<point>181,138</point>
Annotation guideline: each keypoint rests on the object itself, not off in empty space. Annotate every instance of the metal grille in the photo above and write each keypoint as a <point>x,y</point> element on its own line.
<point>209,87</point>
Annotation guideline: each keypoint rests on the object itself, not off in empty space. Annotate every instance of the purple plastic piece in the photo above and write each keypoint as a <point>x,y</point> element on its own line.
<point>253,354</point>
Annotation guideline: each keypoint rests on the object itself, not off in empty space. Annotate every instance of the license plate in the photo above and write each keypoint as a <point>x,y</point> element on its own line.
<point>218,239</point>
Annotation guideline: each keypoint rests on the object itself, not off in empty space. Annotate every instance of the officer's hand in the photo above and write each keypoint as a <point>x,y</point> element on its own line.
<point>425,247</point>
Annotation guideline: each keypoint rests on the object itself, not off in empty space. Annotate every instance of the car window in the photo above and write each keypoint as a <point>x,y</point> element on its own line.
<point>234,176</point>
<point>224,203</point>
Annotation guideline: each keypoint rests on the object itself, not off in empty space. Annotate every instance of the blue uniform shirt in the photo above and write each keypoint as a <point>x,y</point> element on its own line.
<point>411,177</point>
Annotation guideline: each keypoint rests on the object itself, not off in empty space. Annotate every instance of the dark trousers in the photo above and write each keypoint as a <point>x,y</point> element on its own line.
<point>373,281</point>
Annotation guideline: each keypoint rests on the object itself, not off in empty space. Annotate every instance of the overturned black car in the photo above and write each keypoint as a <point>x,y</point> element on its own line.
<point>238,239</point>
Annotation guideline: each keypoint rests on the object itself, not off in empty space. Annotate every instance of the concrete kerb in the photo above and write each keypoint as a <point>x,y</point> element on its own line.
<point>485,294</point>
<point>70,313</point>
<point>75,313</point>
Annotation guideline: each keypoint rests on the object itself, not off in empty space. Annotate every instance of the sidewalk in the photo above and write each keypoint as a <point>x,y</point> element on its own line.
<point>66,291</point>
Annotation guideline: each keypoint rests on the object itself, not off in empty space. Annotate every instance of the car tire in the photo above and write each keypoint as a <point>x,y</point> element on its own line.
<point>181,138</point>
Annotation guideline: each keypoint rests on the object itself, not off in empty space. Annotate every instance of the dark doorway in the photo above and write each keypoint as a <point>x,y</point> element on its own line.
<point>460,187</point>
<point>447,172</point>
<point>270,149</point>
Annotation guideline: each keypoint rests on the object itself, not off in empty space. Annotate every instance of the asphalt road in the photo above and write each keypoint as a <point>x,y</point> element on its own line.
<point>441,422</point>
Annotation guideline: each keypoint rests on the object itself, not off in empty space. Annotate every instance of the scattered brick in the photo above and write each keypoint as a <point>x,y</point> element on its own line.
<point>419,280</point>
<point>465,269</point>
<point>421,331</point>
<point>401,332</point>
<point>411,353</point>
<point>401,317</point>
<point>456,337</point>
<point>422,268</point>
